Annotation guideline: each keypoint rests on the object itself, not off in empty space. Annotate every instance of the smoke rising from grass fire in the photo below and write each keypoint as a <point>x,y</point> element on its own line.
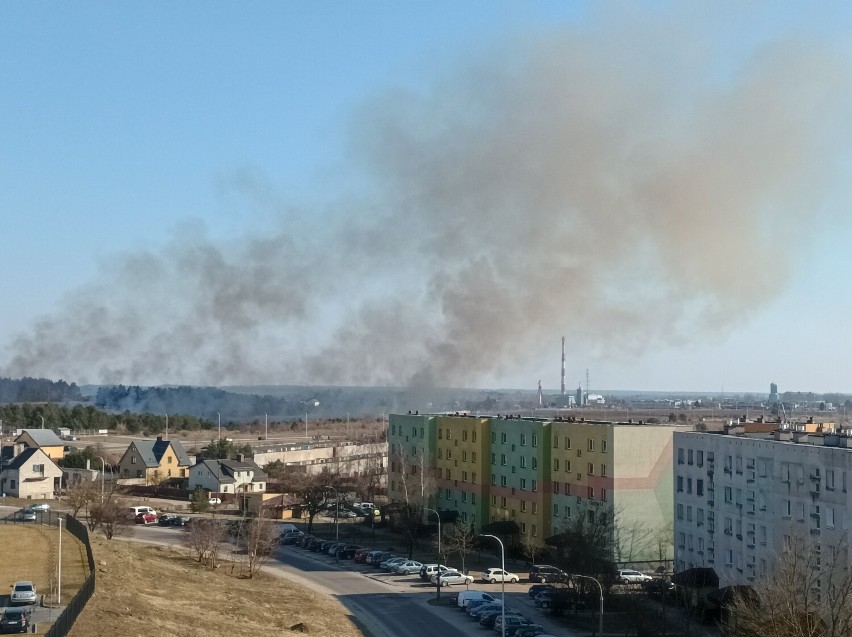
<point>624,184</point>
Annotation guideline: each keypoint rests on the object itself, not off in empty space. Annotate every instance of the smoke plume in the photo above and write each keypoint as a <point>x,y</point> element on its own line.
<point>625,183</point>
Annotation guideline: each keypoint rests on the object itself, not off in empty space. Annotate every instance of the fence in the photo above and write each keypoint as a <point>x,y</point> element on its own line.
<point>63,624</point>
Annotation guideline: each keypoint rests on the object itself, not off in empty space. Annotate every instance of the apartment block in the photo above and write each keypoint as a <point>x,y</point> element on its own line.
<point>540,474</point>
<point>744,495</point>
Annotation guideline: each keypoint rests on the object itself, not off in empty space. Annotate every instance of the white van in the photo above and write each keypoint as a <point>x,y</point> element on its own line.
<point>288,528</point>
<point>465,597</point>
<point>132,512</point>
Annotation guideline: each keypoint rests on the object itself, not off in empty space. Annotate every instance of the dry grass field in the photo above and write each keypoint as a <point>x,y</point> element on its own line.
<point>146,590</point>
<point>29,551</point>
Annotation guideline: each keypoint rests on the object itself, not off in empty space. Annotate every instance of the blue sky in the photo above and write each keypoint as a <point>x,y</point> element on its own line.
<point>129,132</point>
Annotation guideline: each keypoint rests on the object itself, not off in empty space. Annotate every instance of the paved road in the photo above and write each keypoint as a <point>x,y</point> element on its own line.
<point>386,605</point>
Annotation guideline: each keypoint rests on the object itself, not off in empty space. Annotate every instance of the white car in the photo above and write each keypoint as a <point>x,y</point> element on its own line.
<point>629,576</point>
<point>499,575</point>
<point>23,592</point>
<point>42,506</point>
<point>214,501</point>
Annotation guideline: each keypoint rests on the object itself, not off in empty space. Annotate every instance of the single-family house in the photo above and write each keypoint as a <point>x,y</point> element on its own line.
<point>44,439</point>
<point>227,476</point>
<point>154,462</point>
<point>31,475</point>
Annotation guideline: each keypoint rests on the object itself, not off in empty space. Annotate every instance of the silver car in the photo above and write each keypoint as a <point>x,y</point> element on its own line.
<point>23,592</point>
<point>452,577</point>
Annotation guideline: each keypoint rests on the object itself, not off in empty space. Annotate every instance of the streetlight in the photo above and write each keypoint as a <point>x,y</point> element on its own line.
<point>502,581</point>
<point>220,424</point>
<point>266,421</point>
<point>438,573</point>
<point>600,617</point>
<point>59,567</point>
<point>103,471</point>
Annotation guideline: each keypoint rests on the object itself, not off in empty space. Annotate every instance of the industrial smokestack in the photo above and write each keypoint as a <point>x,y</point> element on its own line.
<point>563,366</point>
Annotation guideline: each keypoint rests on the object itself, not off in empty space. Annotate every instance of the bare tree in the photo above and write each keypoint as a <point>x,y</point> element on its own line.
<point>313,490</point>
<point>80,494</point>
<point>807,594</point>
<point>460,539</point>
<point>110,514</point>
<point>204,539</point>
<point>259,537</point>
<point>418,488</point>
<point>531,548</point>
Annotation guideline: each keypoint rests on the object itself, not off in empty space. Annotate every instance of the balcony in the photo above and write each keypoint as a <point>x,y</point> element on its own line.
<point>728,470</point>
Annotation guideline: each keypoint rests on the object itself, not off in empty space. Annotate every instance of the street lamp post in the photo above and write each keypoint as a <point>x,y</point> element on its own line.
<point>336,519</point>
<point>502,582</point>
<point>600,616</point>
<point>266,423</point>
<point>59,566</point>
<point>103,471</point>
<point>220,424</point>
<point>438,573</point>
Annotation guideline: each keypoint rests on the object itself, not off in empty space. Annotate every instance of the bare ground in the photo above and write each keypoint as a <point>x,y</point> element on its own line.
<point>146,590</point>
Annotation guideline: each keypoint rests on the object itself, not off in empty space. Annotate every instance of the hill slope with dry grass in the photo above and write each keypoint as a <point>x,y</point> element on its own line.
<point>146,590</point>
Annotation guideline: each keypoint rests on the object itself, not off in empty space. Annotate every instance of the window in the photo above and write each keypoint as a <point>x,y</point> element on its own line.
<point>556,442</point>
<point>591,493</point>
<point>555,487</point>
<point>523,484</point>
<point>535,463</point>
<point>556,464</point>
<point>473,477</point>
<point>787,508</point>
<point>829,479</point>
<point>464,456</point>
<point>680,484</point>
<point>567,511</point>
<point>503,438</point>
<point>449,454</point>
<point>38,468</point>
<point>603,470</point>
<point>523,527</point>
<point>680,456</point>
<point>534,485</point>
<point>523,440</point>
<point>494,436</point>
<point>473,436</point>
<point>503,459</point>
<point>447,474</point>
<point>689,456</point>
<point>523,506</point>
<point>502,481</point>
<point>699,458</point>
<point>679,511</point>
<point>464,435</point>
<point>604,447</point>
<point>494,500</point>
<point>689,485</point>
<point>535,440</point>
<point>556,510</point>
<point>473,498</point>
<point>591,444</point>
<point>473,456</point>
<point>132,459</point>
<point>567,444</point>
<point>699,487</point>
<point>534,530</point>
<point>523,462</point>
<point>493,480</point>
<point>493,458</point>
<point>448,494</point>
<point>568,465</point>
<point>728,495</point>
<point>503,502</point>
<point>440,452</point>
<point>591,469</point>
<point>464,476</point>
<point>689,513</point>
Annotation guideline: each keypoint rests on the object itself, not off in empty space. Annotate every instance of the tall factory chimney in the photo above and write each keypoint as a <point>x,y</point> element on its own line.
<point>563,365</point>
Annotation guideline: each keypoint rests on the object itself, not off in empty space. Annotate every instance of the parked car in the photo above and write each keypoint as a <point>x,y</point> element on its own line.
<point>27,514</point>
<point>15,620</point>
<point>132,512</point>
<point>543,599</point>
<point>428,570</point>
<point>513,622</point>
<point>658,586</point>
<point>499,575</point>
<point>407,567</point>
<point>377,557</point>
<point>535,589</point>
<point>23,592</point>
<point>288,527</point>
<point>479,603</point>
<point>146,518</point>
<point>465,598</point>
<point>545,573</point>
<point>348,552</point>
<point>214,501</point>
<point>530,630</point>
<point>628,576</point>
<point>448,578</point>
<point>41,506</point>
<point>360,556</point>
<point>389,564</point>
<point>170,519</point>
<point>487,619</point>
<point>291,538</point>
<point>477,610</point>
<point>331,549</point>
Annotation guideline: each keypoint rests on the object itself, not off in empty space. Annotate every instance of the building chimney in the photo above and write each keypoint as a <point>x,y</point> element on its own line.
<point>159,439</point>
<point>241,457</point>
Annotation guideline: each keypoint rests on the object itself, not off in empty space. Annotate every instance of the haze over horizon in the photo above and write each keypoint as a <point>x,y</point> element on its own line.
<point>428,195</point>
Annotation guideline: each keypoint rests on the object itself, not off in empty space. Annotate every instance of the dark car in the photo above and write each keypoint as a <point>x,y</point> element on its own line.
<point>487,619</point>
<point>15,620</point>
<point>535,589</point>
<point>658,586</point>
<point>347,552</point>
<point>291,538</point>
<point>530,630</point>
<point>170,519</point>
<point>544,573</point>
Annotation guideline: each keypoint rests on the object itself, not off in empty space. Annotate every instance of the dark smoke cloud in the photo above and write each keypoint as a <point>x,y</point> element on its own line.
<point>624,185</point>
